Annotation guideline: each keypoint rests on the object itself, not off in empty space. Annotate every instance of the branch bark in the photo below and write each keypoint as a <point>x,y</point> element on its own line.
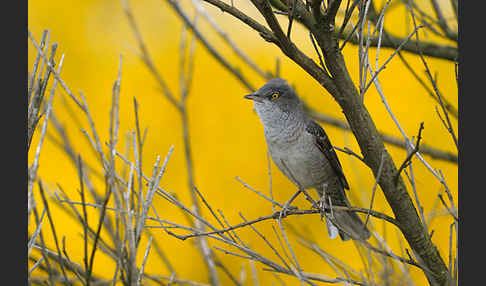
<point>372,146</point>
<point>446,52</point>
<point>340,85</point>
<point>424,149</point>
<point>430,49</point>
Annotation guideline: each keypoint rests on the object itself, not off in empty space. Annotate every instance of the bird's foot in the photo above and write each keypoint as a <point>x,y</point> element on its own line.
<point>322,204</point>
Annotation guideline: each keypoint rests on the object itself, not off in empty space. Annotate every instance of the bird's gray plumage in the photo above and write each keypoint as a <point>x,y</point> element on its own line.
<point>301,149</point>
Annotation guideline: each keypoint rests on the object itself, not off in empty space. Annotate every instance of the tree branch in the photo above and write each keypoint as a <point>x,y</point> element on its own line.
<point>394,141</point>
<point>410,155</point>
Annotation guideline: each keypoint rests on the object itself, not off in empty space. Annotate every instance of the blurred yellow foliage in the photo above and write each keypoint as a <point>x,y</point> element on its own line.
<point>225,134</point>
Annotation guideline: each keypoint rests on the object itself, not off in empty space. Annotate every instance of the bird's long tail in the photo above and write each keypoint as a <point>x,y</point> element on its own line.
<point>347,223</point>
<point>350,225</point>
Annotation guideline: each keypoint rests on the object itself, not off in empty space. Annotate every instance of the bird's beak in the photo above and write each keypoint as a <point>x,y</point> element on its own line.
<point>254,97</point>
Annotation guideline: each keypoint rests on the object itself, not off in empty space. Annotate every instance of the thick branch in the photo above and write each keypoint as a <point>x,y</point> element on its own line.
<point>289,49</point>
<point>424,149</point>
<point>430,49</point>
<point>342,88</point>
<point>372,147</point>
<point>262,30</point>
<point>331,11</point>
<point>446,52</point>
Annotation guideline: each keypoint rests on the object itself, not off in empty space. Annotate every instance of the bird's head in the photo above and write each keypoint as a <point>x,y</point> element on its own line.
<point>275,96</point>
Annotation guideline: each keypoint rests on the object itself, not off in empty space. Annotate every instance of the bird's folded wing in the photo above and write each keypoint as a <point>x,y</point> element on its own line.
<point>323,143</point>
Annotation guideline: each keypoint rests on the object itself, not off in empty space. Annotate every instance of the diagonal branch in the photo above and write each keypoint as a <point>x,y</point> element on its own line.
<point>410,155</point>
<point>442,21</point>
<point>394,141</point>
<point>175,6</point>
<point>430,49</point>
<point>371,144</point>
<point>331,11</point>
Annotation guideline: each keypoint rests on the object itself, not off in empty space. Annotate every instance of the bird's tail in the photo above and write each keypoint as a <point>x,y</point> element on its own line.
<point>345,223</point>
<point>349,224</point>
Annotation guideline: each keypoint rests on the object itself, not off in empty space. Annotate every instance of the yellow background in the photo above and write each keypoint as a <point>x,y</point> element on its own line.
<point>225,134</point>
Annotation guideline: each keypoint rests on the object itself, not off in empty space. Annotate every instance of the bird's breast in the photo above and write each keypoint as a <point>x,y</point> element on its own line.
<point>301,161</point>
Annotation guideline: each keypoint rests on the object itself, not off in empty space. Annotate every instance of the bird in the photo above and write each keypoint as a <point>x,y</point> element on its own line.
<point>302,151</point>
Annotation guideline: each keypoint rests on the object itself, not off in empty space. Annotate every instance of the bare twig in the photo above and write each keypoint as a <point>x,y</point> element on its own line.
<point>389,59</point>
<point>238,51</point>
<point>291,212</point>
<point>259,193</point>
<point>412,153</point>
<point>50,66</point>
<point>139,280</point>
<point>374,190</point>
<point>53,229</point>
<point>442,22</point>
<point>424,149</point>
<point>331,74</point>
<point>145,54</point>
<point>433,81</point>
<point>175,6</point>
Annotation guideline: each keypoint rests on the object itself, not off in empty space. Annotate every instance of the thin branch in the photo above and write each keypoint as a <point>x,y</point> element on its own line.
<point>389,59</point>
<point>97,236</point>
<point>198,5</point>
<point>380,169</point>
<point>145,256</point>
<point>318,277</point>
<point>53,229</point>
<point>53,71</point>
<point>291,12</point>
<point>175,6</point>
<point>424,149</point>
<point>35,164</point>
<point>266,241</point>
<point>318,53</point>
<point>145,54</point>
<point>412,153</point>
<point>292,212</point>
<point>259,193</point>
<point>431,78</point>
<point>449,210</point>
<point>442,22</point>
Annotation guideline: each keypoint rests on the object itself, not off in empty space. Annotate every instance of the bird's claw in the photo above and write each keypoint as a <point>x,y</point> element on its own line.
<point>321,205</point>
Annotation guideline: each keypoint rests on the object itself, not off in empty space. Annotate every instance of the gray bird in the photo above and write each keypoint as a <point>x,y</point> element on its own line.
<point>300,148</point>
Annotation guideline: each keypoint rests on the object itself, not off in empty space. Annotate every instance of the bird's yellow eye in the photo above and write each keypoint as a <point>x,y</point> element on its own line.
<point>275,95</point>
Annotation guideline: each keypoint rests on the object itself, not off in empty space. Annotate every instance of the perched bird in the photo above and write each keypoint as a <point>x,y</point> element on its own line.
<point>300,148</point>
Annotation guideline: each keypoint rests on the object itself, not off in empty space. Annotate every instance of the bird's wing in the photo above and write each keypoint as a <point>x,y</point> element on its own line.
<point>323,143</point>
